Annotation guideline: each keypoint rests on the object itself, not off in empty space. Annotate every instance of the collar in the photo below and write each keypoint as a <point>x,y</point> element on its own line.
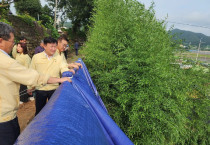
<point>58,52</point>
<point>48,57</point>
<point>4,52</point>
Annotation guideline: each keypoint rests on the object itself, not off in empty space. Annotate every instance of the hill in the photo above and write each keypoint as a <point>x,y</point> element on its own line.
<point>188,37</point>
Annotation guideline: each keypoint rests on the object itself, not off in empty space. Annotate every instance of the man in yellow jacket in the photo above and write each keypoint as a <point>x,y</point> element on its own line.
<point>61,47</point>
<point>50,63</point>
<point>12,74</point>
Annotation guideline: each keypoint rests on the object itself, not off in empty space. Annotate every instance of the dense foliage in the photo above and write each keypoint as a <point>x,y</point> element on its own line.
<point>6,3</point>
<point>4,10</point>
<point>45,22</point>
<point>28,12</point>
<point>130,58</point>
<point>78,11</point>
<point>28,19</point>
<point>32,7</point>
<point>47,11</point>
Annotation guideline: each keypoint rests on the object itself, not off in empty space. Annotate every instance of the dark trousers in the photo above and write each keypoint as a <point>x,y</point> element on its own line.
<point>23,93</point>
<point>9,132</point>
<point>41,99</point>
<point>76,50</point>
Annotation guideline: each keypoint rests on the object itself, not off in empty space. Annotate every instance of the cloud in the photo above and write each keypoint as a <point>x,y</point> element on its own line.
<point>195,21</point>
<point>184,12</point>
<point>198,18</point>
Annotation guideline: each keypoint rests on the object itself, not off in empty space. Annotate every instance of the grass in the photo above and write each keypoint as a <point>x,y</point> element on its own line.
<point>188,54</point>
<point>72,57</point>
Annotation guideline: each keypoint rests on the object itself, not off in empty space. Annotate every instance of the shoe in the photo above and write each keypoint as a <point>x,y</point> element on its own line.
<point>21,102</point>
<point>31,98</point>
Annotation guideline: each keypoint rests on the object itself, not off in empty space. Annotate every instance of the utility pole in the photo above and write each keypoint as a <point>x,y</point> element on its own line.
<point>189,46</point>
<point>55,20</point>
<point>198,50</point>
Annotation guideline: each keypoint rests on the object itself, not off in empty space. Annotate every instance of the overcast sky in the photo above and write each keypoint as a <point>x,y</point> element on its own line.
<point>43,2</point>
<point>189,12</point>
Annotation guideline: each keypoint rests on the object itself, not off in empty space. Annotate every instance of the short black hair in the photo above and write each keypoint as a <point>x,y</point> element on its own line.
<point>22,38</point>
<point>63,37</point>
<point>49,40</point>
<point>5,31</point>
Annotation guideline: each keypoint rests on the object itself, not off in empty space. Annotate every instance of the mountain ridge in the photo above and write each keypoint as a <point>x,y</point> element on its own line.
<point>191,38</point>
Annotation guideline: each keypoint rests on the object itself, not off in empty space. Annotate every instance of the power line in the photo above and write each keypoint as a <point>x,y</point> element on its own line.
<point>189,24</point>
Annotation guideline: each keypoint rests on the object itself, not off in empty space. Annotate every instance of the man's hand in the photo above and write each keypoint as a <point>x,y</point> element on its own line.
<point>78,64</point>
<point>71,70</point>
<point>65,79</point>
<point>74,65</point>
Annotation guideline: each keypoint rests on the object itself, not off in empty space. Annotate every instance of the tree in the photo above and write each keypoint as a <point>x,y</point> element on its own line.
<point>4,8</point>
<point>78,11</point>
<point>32,7</point>
<point>130,57</point>
<point>47,11</point>
<point>6,3</point>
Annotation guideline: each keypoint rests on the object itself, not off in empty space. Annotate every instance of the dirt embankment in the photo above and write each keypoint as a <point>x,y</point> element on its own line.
<point>25,114</point>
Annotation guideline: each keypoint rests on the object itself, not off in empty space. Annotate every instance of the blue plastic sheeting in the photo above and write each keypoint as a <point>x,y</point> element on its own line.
<point>75,115</point>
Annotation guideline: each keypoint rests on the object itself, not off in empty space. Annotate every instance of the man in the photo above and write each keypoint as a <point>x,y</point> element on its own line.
<point>12,74</point>
<point>61,47</point>
<point>76,47</point>
<point>40,48</point>
<point>62,44</point>
<point>66,51</point>
<point>50,63</point>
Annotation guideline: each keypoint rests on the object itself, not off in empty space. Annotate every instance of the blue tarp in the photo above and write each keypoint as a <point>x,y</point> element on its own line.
<point>75,115</point>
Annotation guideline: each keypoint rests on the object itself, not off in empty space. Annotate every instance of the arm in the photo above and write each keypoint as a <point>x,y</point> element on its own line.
<point>52,80</point>
<point>14,51</point>
<point>27,61</point>
<point>31,88</point>
<point>29,77</point>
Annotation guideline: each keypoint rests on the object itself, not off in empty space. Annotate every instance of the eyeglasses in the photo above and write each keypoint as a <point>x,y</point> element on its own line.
<point>66,47</point>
